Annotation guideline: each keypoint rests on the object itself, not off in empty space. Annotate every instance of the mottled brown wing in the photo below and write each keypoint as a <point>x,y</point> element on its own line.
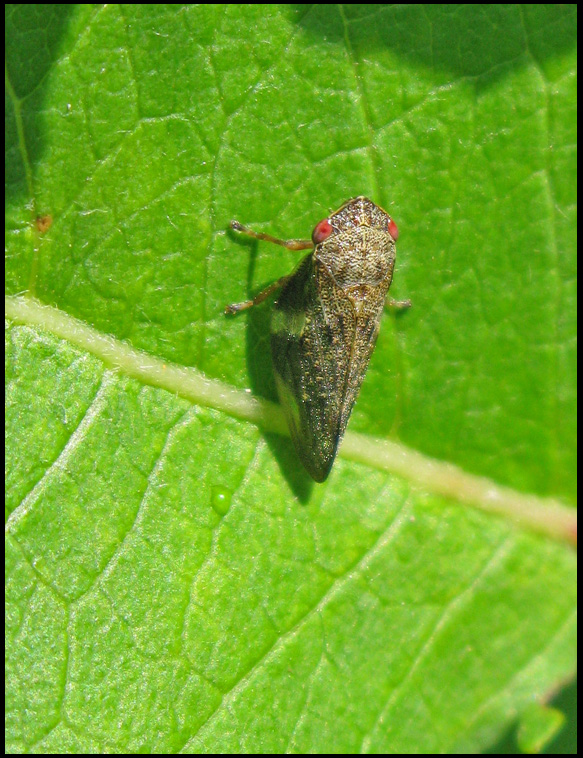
<point>365,336</point>
<point>313,333</point>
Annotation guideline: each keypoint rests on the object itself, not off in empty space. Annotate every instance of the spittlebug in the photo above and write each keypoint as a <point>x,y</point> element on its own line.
<point>325,323</point>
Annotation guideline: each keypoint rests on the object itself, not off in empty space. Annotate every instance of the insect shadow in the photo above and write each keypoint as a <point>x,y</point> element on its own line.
<point>261,377</point>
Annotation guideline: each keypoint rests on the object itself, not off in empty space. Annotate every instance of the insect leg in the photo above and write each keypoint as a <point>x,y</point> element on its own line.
<point>400,304</point>
<point>290,244</point>
<point>259,298</point>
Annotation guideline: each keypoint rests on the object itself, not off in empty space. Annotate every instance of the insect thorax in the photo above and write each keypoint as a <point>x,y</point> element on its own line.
<point>358,257</point>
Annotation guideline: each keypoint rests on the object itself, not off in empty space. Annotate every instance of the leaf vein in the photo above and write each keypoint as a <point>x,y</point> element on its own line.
<point>545,515</point>
<point>447,614</point>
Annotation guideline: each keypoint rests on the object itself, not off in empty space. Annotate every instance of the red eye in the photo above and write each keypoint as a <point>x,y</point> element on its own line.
<point>321,231</point>
<point>393,231</point>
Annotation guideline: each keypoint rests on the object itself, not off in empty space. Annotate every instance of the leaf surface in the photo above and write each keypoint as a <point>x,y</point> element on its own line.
<point>173,582</point>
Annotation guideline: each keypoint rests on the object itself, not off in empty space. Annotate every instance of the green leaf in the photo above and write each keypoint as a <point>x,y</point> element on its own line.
<point>538,726</point>
<point>174,583</point>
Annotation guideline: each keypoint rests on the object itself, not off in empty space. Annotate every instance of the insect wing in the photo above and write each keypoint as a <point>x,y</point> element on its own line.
<point>312,335</point>
<point>366,331</point>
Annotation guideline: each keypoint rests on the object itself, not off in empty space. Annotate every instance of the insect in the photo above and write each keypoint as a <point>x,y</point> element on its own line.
<point>325,323</point>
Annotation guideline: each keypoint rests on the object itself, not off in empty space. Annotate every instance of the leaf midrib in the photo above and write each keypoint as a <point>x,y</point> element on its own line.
<point>547,516</point>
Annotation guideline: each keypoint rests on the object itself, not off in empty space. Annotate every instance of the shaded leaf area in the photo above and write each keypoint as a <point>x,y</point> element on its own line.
<point>166,589</point>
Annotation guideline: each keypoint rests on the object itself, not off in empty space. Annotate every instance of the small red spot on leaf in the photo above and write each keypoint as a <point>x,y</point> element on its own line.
<point>44,223</point>
<point>321,231</point>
